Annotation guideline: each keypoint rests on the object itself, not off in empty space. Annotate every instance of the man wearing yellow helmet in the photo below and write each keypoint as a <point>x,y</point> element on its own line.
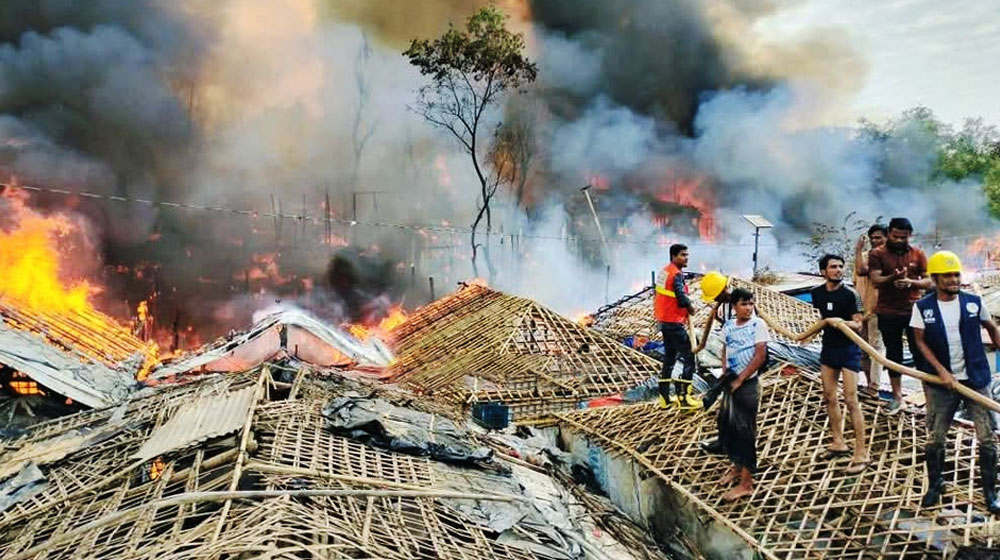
<point>948,324</point>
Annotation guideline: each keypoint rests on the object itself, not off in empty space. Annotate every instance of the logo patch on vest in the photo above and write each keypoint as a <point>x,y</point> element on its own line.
<point>929,316</point>
<point>972,307</point>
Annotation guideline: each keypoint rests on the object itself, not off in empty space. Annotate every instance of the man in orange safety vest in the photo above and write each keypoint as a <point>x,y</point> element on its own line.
<point>671,306</point>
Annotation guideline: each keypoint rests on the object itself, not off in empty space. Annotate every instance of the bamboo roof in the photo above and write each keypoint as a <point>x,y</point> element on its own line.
<point>482,345</point>
<point>264,479</point>
<point>802,508</point>
<point>633,315</point>
<point>89,336</point>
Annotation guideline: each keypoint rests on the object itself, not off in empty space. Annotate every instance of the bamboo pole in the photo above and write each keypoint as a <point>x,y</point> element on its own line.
<point>194,497</point>
<point>699,346</point>
<point>265,373</point>
<point>874,354</point>
<point>676,486</point>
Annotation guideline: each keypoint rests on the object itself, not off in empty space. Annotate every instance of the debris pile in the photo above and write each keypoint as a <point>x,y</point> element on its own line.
<point>258,464</point>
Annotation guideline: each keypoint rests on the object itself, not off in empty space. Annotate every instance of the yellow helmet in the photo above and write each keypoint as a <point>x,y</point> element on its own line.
<point>712,284</point>
<point>943,262</point>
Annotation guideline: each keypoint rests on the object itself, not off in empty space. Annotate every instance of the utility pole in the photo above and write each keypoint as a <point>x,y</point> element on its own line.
<point>758,222</point>
<point>593,212</point>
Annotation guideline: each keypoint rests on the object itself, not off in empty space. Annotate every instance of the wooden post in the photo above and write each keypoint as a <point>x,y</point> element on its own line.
<point>607,282</point>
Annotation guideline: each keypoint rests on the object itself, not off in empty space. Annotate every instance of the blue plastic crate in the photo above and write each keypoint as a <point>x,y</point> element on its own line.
<point>495,416</point>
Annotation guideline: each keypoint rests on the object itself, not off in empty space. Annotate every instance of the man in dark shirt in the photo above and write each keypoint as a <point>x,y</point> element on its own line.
<point>840,354</point>
<point>899,273</point>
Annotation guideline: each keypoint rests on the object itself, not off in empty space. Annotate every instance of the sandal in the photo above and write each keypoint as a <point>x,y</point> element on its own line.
<point>830,454</point>
<point>857,468</point>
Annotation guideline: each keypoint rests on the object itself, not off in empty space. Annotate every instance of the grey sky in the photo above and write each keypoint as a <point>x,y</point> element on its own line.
<point>944,55</point>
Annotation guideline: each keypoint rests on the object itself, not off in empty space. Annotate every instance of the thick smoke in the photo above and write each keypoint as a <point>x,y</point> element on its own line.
<point>660,105</point>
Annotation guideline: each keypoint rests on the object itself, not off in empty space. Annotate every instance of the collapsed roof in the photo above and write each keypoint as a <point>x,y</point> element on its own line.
<point>255,463</point>
<point>87,357</point>
<point>479,345</point>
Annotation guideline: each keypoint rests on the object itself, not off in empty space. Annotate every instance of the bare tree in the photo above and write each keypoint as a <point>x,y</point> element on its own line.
<point>470,71</point>
<point>362,129</point>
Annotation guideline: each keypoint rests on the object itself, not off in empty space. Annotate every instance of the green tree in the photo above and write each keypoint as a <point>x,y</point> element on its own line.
<point>971,153</point>
<point>470,71</point>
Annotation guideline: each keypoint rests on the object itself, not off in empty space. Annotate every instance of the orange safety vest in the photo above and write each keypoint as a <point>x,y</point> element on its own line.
<point>665,306</point>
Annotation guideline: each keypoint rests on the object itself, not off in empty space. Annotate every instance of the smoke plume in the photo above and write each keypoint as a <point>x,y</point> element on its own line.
<point>680,115</point>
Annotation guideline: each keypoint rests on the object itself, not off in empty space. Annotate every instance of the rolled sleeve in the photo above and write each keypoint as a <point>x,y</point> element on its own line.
<point>916,320</point>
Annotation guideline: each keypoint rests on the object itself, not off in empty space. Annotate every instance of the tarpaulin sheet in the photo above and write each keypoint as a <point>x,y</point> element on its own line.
<point>378,423</point>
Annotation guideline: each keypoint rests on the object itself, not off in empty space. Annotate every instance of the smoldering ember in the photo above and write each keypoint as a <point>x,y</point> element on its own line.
<point>533,279</point>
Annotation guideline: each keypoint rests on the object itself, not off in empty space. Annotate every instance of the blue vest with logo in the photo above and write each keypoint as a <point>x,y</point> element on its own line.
<point>969,326</point>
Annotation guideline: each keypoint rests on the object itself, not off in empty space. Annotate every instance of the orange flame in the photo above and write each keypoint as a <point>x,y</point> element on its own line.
<point>156,468</point>
<point>31,282</point>
<point>395,318</point>
<point>691,193</point>
<point>29,263</point>
<point>24,385</point>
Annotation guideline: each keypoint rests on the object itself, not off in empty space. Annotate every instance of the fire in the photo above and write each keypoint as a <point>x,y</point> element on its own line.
<point>582,318</point>
<point>693,194</point>
<point>32,283</point>
<point>395,317</point>
<point>29,269</point>
<point>156,468</point>
<point>982,253</point>
<point>23,385</point>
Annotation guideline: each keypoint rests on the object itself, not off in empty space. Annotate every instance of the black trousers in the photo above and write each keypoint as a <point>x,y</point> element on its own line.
<point>737,424</point>
<point>892,328</point>
<point>676,345</point>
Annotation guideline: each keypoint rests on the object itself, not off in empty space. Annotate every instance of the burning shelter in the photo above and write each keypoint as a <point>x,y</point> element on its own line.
<point>282,332</point>
<point>83,355</point>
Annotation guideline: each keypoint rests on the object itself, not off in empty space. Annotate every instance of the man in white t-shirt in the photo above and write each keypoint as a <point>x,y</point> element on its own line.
<point>743,355</point>
<point>948,325</point>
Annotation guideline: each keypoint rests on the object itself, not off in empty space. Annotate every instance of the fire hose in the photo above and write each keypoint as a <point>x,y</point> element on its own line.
<point>874,354</point>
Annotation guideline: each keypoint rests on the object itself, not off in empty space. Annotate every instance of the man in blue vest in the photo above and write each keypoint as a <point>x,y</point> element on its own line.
<point>947,325</point>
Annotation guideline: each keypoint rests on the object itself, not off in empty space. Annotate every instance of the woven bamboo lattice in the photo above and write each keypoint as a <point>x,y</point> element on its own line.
<point>801,508</point>
<point>101,503</point>
<point>91,336</point>
<point>633,315</point>
<point>480,345</point>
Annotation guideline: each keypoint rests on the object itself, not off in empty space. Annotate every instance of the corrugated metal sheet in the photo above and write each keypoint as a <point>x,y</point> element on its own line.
<point>91,383</point>
<point>372,352</point>
<point>207,417</point>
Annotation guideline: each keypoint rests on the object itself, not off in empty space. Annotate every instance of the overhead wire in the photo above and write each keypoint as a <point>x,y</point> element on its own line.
<point>438,228</point>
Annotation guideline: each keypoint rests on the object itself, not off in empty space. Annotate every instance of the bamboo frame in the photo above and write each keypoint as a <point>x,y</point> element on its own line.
<point>480,345</point>
<point>282,486</point>
<point>802,508</point>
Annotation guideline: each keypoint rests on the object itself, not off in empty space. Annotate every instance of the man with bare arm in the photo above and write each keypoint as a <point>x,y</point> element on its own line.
<point>840,357</point>
<point>743,355</point>
<point>869,300</point>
